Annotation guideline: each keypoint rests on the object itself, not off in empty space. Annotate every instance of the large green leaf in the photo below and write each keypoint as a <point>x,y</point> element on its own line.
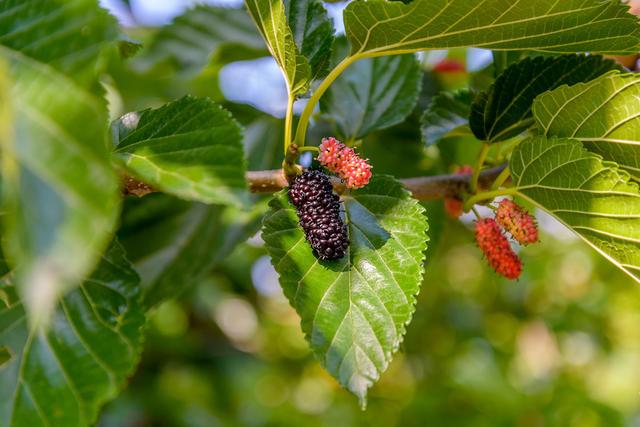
<point>190,148</point>
<point>188,43</point>
<point>354,310</point>
<point>590,196</point>
<point>60,191</point>
<point>447,112</point>
<point>378,27</point>
<point>504,110</point>
<point>173,243</point>
<point>270,17</point>
<point>312,32</point>
<point>373,94</point>
<point>604,114</point>
<point>63,376</point>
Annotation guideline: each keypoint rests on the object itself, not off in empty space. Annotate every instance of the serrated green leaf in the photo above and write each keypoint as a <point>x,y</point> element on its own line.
<point>590,196</point>
<point>60,192</point>
<point>312,32</point>
<point>354,310</point>
<point>378,27</point>
<point>63,376</point>
<point>173,243</point>
<point>190,148</point>
<point>447,112</point>
<point>270,17</point>
<point>373,94</point>
<point>504,110</point>
<point>189,42</point>
<point>604,114</point>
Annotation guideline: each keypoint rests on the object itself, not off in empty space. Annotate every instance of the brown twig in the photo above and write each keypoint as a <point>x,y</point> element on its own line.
<point>422,188</point>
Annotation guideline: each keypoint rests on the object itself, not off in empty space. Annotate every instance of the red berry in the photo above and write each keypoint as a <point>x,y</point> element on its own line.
<point>496,248</point>
<point>517,222</point>
<point>345,162</point>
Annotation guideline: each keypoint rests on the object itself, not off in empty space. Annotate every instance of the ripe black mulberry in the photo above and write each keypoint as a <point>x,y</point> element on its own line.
<point>318,210</point>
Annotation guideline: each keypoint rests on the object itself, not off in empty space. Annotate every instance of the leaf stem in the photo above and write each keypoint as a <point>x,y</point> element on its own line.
<point>288,124</point>
<point>501,179</point>
<point>488,195</point>
<point>303,123</point>
<point>308,148</point>
<point>473,186</point>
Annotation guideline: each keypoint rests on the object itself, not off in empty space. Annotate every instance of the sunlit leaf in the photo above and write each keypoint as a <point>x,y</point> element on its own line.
<point>354,310</point>
<point>60,192</point>
<point>190,148</point>
<point>604,114</point>
<point>378,27</point>
<point>504,110</point>
<point>592,197</point>
<point>62,377</point>
<point>270,17</point>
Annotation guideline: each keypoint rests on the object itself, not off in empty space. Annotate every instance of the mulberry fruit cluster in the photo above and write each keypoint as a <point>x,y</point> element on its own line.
<point>345,162</point>
<point>496,248</point>
<point>453,205</point>
<point>517,222</point>
<point>318,209</point>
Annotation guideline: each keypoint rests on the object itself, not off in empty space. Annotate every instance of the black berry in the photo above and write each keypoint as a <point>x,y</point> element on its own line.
<point>318,210</point>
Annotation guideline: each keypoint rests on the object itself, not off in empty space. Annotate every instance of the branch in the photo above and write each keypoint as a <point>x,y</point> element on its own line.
<point>422,188</point>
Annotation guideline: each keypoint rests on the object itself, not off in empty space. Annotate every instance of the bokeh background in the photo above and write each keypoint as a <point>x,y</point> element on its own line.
<point>560,347</point>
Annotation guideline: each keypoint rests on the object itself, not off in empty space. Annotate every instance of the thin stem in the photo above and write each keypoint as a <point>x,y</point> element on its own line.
<point>308,148</point>
<point>476,213</point>
<point>473,187</point>
<point>501,179</point>
<point>488,195</point>
<point>288,125</point>
<point>303,123</point>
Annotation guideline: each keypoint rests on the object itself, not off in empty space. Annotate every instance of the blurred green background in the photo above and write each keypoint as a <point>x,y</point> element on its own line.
<point>560,347</point>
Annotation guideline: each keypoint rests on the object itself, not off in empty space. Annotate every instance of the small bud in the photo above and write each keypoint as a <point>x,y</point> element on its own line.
<point>517,222</point>
<point>454,206</point>
<point>496,248</point>
<point>345,162</point>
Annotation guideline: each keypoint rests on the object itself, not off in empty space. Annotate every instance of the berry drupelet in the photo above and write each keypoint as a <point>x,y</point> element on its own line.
<point>318,210</point>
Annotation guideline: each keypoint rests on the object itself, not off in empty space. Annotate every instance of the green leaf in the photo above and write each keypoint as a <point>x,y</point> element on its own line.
<point>590,196</point>
<point>604,114</point>
<point>190,148</point>
<point>173,243</point>
<point>312,32</point>
<point>63,376</point>
<point>447,112</point>
<point>66,35</point>
<point>270,17</point>
<point>378,27</point>
<point>188,43</point>
<point>504,111</point>
<point>373,94</point>
<point>354,310</point>
<point>60,192</point>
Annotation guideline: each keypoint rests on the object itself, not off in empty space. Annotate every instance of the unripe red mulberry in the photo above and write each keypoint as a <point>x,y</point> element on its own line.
<point>517,222</point>
<point>496,248</point>
<point>453,206</point>
<point>318,209</point>
<point>343,161</point>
